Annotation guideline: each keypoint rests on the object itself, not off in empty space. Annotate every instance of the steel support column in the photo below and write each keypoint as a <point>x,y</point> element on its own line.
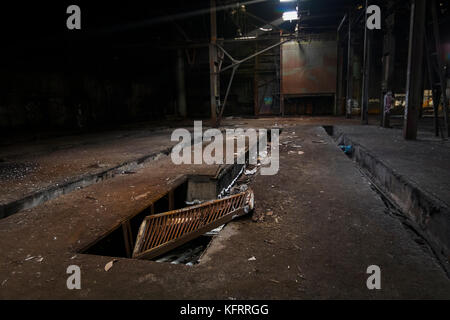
<point>256,83</point>
<point>368,34</point>
<point>340,74</point>
<point>388,63</point>
<point>281,82</point>
<point>415,69</point>
<point>181,84</point>
<point>442,79</point>
<point>213,65</point>
<point>349,96</point>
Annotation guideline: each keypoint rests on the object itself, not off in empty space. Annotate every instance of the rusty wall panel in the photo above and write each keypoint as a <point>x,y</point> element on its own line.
<point>309,68</point>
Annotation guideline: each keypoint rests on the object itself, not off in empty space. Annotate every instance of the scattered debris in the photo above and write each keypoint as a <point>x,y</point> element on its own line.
<point>128,172</point>
<point>14,170</point>
<point>193,202</point>
<point>144,195</point>
<point>226,190</point>
<point>252,259</point>
<point>251,172</point>
<point>110,264</point>
<point>275,281</point>
<point>347,149</point>
<point>215,232</point>
<point>187,255</point>
<point>319,141</point>
<point>258,216</point>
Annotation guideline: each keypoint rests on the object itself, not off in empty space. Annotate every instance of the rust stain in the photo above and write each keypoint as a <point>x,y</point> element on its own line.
<point>309,68</point>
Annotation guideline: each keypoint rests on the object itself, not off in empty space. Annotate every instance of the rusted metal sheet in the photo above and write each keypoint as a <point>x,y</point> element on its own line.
<point>163,232</point>
<point>309,68</point>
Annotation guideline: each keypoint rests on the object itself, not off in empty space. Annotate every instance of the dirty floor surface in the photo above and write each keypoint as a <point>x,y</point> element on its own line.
<point>320,225</point>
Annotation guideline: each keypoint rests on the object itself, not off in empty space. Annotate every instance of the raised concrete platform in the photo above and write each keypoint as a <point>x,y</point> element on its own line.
<point>33,173</point>
<point>414,175</point>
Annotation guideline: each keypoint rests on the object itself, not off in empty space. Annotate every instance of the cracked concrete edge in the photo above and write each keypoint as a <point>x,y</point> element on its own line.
<point>78,182</point>
<point>428,215</point>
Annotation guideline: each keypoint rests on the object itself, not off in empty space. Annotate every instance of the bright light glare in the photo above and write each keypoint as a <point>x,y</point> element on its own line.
<point>245,38</point>
<point>290,15</point>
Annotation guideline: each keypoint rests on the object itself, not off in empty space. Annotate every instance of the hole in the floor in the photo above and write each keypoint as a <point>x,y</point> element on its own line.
<point>188,253</point>
<point>119,242</point>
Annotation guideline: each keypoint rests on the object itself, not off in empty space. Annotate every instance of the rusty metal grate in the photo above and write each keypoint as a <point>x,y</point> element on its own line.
<point>163,232</point>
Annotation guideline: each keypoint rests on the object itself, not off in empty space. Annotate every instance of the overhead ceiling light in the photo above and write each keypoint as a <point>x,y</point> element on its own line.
<point>290,15</point>
<point>287,0</point>
<point>265,29</point>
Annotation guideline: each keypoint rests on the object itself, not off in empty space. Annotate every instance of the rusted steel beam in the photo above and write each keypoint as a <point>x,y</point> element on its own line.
<point>234,66</point>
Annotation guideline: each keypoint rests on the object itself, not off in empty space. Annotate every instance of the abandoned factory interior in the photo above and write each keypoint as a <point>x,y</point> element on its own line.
<point>216,150</point>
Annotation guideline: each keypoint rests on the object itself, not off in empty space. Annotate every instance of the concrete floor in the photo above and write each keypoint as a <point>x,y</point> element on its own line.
<point>328,225</point>
<point>30,169</point>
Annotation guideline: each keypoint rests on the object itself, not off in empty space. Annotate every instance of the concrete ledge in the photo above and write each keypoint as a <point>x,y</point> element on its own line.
<point>36,198</point>
<point>427,214</point>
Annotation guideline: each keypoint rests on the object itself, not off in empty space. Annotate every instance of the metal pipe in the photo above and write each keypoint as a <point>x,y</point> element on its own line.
<point>342,23</point>
<point>238,62</point>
